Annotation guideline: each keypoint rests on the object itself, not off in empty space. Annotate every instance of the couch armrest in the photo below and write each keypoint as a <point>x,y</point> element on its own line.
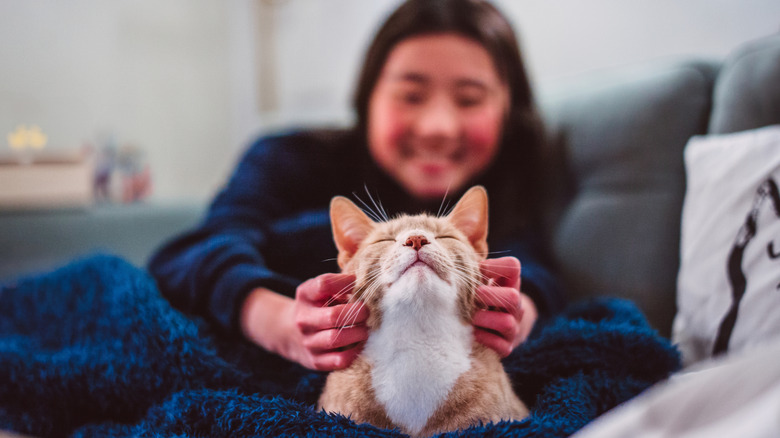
<point>747,92</point>
<point>35,241</point>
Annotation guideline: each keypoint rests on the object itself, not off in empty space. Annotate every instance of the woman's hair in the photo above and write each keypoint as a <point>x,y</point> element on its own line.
<point>512,179</point>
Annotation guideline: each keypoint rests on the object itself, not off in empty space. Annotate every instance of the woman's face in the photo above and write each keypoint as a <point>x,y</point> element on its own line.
<point>436,113</point>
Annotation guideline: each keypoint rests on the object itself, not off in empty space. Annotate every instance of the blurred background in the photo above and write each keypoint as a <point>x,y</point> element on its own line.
<point>185,85</point>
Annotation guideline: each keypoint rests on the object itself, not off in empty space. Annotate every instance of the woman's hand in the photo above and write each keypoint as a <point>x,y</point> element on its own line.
<point>319,329</point>
<point>506,315</point>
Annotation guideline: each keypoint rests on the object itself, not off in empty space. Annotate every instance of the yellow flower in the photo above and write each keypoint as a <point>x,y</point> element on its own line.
<point>22,137</point>
<point>35,138</point>
<point>18,139</point>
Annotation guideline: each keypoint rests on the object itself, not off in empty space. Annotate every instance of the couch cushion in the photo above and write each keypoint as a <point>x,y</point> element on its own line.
<point>747,91</point>
<point>728,295</point>
<point>615,212</point>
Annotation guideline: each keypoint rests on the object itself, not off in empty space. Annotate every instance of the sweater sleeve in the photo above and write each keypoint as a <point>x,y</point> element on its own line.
<point>210,270</point>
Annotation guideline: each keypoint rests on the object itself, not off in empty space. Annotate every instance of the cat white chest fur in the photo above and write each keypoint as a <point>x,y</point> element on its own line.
<point>420,349</point>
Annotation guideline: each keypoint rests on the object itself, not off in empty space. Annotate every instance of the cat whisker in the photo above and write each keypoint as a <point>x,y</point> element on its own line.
<point>489,253</point>
<point>377,204</point>
<point>375,216</point>
<point>340,294</point>
<point>475,279</point>
<point>489,271</point>
<point>377,213</point>
<point>443,199</point>
<point>349,287</point>
<point>502,303</point>
<point>470,280</point>
<point>350,318</point>
<point>354,297</point>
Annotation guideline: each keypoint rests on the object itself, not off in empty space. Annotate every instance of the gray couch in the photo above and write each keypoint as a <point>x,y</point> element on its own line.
<point>617,179</point>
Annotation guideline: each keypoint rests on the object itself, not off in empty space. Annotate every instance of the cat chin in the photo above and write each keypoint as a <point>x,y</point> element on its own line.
<point>418,268</point>
<point>420,286</point>
<point>417,275</point>
<point>422,267</point>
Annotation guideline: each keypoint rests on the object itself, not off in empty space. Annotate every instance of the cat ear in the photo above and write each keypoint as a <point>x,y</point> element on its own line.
<point>350,227</point>
<point>470,216</point>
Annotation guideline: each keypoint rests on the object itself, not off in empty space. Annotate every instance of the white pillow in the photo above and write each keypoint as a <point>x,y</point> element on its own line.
<point>732,182</point>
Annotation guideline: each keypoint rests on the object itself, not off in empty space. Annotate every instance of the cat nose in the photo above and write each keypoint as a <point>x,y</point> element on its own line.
<point>416,242</point>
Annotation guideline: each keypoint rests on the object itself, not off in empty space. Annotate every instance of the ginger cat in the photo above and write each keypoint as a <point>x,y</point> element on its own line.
<point>420,370</point>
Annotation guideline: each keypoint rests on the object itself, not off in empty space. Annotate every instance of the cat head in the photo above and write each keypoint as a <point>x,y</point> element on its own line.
<point>422,250</point>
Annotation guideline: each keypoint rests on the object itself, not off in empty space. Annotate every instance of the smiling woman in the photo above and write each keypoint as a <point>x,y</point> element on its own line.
<point>442,103</point>
<point>434,129</point>
<point>261,265</point>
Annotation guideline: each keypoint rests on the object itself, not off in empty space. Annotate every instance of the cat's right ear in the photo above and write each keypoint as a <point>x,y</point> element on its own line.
<point>350,227</point>
<point>470,216</point>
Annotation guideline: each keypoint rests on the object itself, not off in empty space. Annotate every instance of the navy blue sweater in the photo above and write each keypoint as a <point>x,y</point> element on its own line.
<point>270,227</point>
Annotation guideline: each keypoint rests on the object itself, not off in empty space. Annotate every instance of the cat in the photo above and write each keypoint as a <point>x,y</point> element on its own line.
<point>420,370</point>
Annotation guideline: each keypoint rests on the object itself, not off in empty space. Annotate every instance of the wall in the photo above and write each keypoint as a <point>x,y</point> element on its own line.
<point>321,42</point>
<point>154,74</point>
<point>192,81</point>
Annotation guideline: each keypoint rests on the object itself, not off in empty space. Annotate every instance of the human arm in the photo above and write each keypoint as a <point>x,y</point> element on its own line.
<point>318,329</point>
<point>209,270</point>
<point>266,230</point>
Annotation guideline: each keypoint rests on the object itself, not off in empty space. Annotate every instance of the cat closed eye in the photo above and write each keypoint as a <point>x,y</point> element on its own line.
<point>382,240</point>
<point>446,237</point>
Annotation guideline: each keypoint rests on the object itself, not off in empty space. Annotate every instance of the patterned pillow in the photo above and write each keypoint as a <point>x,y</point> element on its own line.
<point>728,288</point>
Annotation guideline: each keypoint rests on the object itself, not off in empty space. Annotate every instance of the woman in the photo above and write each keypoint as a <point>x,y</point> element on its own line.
<point>443,102</point>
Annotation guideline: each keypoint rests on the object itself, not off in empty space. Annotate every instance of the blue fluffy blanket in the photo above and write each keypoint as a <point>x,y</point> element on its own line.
<point>92,349</point>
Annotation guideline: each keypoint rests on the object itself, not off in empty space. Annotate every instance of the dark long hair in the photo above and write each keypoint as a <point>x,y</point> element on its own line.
<point>512,180</point>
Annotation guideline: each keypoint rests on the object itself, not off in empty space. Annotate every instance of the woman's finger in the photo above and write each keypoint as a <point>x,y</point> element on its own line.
<point>494,342</point>
<point>335,360</point>
<point>326,289</point>
<point>501,323</point>
<point>505,299</point>
<point>504,271</point>
<point>315,319</point>
<point>335,339</point>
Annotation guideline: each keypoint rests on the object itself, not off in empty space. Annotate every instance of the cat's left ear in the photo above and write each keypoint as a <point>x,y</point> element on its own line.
<point>350,227</point>
<point>470,216</point>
